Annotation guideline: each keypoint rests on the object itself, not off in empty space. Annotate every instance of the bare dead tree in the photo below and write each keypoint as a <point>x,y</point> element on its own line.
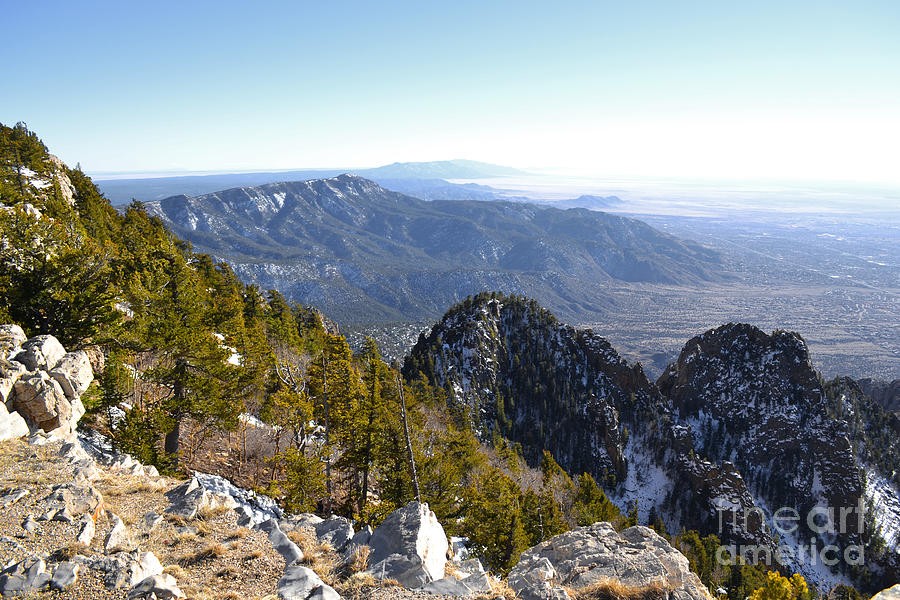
<point>409,450</point>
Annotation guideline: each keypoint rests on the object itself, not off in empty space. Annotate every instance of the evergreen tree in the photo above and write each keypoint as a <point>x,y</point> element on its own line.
<point>591,504</point>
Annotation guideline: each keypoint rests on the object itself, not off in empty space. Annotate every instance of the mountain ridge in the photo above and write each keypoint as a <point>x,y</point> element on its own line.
<point>406,176</point>
<point>363,253</point>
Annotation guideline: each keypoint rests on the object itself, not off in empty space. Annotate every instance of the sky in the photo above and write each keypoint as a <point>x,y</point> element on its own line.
<point>737,90</point>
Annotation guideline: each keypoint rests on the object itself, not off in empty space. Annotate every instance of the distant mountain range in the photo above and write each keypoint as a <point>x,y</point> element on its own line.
<point>364,254</point>
<point>425,180</point>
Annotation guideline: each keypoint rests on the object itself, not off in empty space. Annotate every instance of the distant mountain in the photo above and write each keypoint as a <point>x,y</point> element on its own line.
<point>423,180</point>
<point>442,169</point>
<point>364,254</point>
<point>591,202</point>
<point>739,426</point>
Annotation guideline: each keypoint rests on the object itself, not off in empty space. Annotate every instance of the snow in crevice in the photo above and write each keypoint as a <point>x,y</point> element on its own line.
<point>884,499</point>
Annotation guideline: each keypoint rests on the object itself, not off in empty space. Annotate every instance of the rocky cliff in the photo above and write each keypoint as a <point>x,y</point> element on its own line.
<point>738,427</point>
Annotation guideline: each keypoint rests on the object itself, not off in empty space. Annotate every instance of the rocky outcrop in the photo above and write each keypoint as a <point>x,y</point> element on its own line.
<point>514,369</point>
<point>192,498</point>
<point>160,587</point>
<point>892,593</point>
<point>409,546</point>
<point>40,384</point>
<point>636,557</point>
<point>755,398</point>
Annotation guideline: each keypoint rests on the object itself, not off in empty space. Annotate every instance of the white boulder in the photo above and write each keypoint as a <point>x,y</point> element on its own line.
<point>409,546</point>
<point>73,373</point>
<point>40,352</point>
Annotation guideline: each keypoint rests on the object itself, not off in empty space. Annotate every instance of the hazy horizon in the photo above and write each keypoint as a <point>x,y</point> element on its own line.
<point>809,91</point>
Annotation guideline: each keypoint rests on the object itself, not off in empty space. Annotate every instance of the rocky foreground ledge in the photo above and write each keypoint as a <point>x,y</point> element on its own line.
<point>78,521</point>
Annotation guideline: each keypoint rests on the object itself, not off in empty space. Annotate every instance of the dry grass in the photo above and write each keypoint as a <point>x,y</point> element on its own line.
<point>208,552</point>
<point>124,485</point>
<point>319,557</point>
<point>68,551</point>
<point>178,572</point>
<point>359,586</point>
<point>210,513</point>
<point>611,589</point>
<point>499,589</point>
<point>236,534</point>
<point>359,559</point>
<point>252,555</point>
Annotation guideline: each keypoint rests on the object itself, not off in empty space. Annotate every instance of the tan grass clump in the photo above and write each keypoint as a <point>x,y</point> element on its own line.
<point>611,589</point>
<point>208,552</point>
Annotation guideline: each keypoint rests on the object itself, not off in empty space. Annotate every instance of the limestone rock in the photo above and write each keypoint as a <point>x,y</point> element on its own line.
<point>64,576</point>
<point>125,569</point>
<point>301,583</point>
<point>191,497</point>
<point>117,538</point>
<point>23,577</point>
<point>44,405</point>
<point>536,581</point>
<point>892,593</point>
<point>151,520</point>
<point>73,373</point>
<point>470,566</point>
<point>578,558</point>
<point>96,358</point>
<point>87,531</point>
<point>451,586</point>
<point>29,524</point>
<point>10,372</point>
<point>410,546</point>
<point>11,337</point>
<point>282,544</point>
<point>13,496</point>
<point>12,425</point>
<point>77,498</point>
<point>40,352</point>
<point>335,531</point>
<point>156,586</point>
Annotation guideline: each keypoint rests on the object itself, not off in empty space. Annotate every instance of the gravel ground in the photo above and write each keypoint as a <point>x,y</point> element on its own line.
<point>210,557</point>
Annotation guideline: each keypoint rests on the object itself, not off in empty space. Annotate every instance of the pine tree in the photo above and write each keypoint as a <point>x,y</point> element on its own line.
<point>591,504</point>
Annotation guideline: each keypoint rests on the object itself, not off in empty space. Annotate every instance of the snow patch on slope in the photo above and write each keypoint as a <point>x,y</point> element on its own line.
<point>885,502</point>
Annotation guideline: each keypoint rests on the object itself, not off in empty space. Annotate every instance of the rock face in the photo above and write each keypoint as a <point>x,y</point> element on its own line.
<point>498,349</point>
<point>885,393</point>
<point>40,384</point>
<point>156,586</point>
<point>738,427</point>
<point>636,557</point>
<point>755,399</point>
<point>410,546</point>
<point>40,352</point>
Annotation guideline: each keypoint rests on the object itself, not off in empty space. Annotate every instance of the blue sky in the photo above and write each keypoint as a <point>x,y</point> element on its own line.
<point>715,89</point>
